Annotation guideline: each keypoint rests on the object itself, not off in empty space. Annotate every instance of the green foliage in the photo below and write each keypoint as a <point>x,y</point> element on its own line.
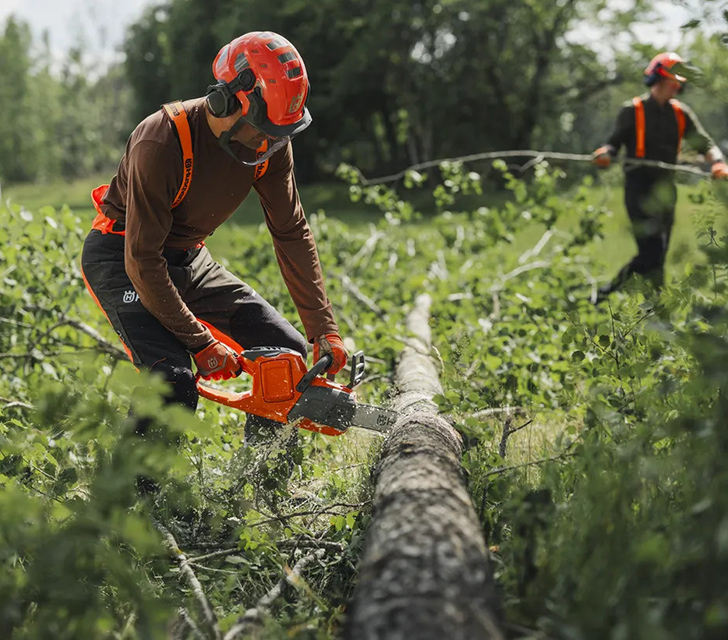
<point>612,525</point>
<point>616,529</point>
<point>82,554</point>
<point>62,118</point>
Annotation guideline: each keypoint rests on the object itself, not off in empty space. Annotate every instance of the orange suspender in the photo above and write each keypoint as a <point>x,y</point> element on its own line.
<point>178,116</point>
<point>176,113</point>
<point>639,121</point>
<point>261,168</point>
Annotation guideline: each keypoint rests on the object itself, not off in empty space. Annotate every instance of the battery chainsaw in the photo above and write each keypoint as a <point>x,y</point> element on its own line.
<point>285,391</point>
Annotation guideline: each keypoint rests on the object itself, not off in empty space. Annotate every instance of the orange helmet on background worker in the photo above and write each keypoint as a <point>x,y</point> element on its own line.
<point>664,65</point>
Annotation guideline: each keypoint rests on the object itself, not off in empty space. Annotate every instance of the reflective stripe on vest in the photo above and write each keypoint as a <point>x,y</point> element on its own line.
<point>639,121</point>
<point>680,117</point>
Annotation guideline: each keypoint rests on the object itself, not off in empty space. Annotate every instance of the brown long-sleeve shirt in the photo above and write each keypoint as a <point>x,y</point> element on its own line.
<point>140,196</point>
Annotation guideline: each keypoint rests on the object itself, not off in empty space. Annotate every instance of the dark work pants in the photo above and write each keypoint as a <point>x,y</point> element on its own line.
<point>650,203</point>
<point>212,294</point>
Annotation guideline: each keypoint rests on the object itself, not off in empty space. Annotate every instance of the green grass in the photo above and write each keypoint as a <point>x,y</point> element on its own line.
<point>609,255</point>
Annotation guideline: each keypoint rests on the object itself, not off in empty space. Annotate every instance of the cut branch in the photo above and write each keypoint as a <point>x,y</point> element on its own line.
<point>186,569</point>
<point>360,297</point>
<point>254,616</point>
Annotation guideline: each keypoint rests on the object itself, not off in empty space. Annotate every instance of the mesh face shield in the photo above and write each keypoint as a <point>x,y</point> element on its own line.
<point>274,144</point>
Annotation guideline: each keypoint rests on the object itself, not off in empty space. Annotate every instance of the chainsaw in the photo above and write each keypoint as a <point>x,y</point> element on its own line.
<point>285,391</point>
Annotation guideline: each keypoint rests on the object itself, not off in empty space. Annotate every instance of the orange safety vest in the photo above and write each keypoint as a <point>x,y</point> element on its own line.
<point>639,120</point>
<point>178,116</point>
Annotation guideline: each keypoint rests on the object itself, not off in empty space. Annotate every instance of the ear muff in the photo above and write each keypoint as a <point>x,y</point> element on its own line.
<point>221,101</point>
<point>654,76</point>
<point>221,98</point>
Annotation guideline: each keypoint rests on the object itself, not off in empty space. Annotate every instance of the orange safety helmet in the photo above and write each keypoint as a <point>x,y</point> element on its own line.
<point>262,72</point>
<point>660,67</point>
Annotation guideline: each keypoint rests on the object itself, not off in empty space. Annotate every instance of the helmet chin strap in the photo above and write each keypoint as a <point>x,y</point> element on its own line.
<point>226,136</point>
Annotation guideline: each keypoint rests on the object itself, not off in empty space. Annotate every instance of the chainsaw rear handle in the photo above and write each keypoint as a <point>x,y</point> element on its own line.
<point>323,363</point>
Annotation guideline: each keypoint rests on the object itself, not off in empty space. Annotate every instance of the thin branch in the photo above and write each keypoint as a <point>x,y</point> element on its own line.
<point>14,403</point>
<point>539,264</point>
<point>526,632</point>
<point>502,447</point>
<point>500,470</point>
<point>368,247</point>
<point>183,623</point>
<point>213,569</point>
<point>555,155</point>
<point>104,344</point>
<point>214,554</point>
<point>41,355</point>
<point>494,411</point>
<point>360,297</point>
<point>254,616</point>
<point>187,571</point>
<point>319,512</point>
<point>310,543</point>
<point>523,426</point>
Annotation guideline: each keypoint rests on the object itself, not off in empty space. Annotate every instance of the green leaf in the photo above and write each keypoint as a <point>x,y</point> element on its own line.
<point>692,24</point>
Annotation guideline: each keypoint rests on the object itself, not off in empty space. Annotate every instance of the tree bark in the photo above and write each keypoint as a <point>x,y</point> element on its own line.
<point>424,573</point>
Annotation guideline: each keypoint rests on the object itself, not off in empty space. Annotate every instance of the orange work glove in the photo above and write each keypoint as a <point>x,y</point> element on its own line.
<point>601,157</point>
<point>331,344</point>
<point>217,361</point>
<point>719,170</point>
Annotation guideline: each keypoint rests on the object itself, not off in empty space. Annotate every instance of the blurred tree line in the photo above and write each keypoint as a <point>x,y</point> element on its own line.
<point>393,82</point>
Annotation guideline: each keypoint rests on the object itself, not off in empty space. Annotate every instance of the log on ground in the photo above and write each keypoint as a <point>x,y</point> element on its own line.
<point>424,573</point>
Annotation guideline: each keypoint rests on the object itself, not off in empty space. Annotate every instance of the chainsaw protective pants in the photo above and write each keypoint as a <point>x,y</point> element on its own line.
<point>212,294</point>
<point>650,203</point>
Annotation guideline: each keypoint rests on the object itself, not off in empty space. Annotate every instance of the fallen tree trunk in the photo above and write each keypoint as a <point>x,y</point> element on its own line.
<point>424,573</point>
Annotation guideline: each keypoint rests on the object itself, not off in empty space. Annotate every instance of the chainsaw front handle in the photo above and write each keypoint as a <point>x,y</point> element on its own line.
<point>323,363</point>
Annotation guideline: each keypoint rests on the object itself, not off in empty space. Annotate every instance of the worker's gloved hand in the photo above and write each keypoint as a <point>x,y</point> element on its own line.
<point>601,157</point>
<point>719,170</point>
<point>331,344</point>
<point>217,361</point>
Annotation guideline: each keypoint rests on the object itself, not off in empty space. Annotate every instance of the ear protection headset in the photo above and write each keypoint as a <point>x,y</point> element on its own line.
<point>222,101</point>
<point>653,77</point>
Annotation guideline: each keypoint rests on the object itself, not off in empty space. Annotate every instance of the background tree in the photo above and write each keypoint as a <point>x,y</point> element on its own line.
<point>17,162</point>
<point>394,83</point>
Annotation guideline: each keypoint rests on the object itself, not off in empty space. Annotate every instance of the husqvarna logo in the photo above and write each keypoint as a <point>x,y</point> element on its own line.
<point>130,296</point>
<point>296,103</point>
<point>212,363</point>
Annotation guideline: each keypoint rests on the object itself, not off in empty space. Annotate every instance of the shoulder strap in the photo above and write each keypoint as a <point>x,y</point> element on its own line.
<point>639,121</point>
<point>178,116</point>
<point>680,117</point>
<point>261,168</point>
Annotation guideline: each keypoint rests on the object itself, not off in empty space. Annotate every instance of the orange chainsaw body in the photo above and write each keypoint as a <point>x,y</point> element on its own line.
<point>277,375</point>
